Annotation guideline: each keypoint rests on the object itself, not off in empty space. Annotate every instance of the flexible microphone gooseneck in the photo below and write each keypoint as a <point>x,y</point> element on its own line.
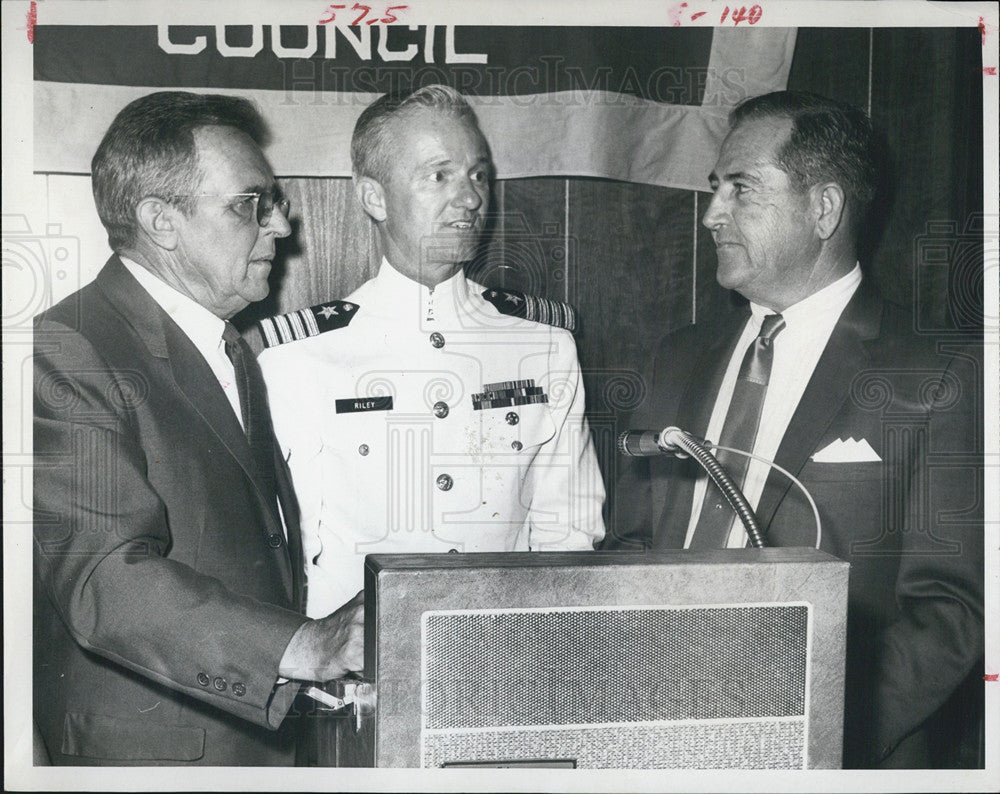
<point>673,440</point>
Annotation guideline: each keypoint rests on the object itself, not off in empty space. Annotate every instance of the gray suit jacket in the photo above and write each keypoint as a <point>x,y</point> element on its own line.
<point>165,590</point>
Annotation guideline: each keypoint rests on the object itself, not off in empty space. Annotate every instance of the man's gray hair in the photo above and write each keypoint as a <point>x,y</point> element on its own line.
<point>371,144</point>
<point>150,150</point>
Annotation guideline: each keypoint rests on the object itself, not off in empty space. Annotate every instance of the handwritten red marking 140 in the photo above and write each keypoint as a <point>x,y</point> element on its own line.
<point>740,14</point>
<point>387,19</point>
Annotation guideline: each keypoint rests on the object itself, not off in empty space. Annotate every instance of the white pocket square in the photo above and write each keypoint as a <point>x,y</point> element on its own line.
<point>849,451</point>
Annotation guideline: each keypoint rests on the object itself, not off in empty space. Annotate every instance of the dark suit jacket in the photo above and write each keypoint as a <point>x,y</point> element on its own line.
<point>165,593</point>
<point>910,525</point>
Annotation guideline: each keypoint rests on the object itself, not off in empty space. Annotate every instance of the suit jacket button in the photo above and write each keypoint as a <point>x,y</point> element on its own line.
<point>512,418</point>
<point>441,409</point>
<point>202,679</point>
<point>516,446</point>
<point>220,684</point>
<point>437,339</point>
<point>274,541</point>
<point>239,689</point>
<point>363,450</point>
<point>444,482</point>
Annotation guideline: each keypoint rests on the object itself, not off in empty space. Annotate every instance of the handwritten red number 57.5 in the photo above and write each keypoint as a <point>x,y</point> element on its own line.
<point>387,19</point>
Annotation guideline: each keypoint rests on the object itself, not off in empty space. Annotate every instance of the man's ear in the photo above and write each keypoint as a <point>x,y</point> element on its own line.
<point>158,221</point>
<point>828,202</point>
<point>372,197</point>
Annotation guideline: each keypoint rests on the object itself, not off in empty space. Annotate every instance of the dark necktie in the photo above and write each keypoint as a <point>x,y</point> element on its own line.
<point>263,446</point>
<point>234,349</point>
<point>256,422</point>
<point>739,431</point>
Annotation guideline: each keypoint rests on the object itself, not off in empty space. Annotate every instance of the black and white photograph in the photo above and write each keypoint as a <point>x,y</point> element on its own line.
<point>554,396</point>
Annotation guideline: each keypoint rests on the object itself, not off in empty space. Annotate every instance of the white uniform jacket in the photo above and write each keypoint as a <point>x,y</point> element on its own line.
<point>429,421</point>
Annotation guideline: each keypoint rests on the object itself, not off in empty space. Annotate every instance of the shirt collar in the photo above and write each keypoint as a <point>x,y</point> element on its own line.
<point>826,304</point>
<point>402,291</point>
<point>198,323</point>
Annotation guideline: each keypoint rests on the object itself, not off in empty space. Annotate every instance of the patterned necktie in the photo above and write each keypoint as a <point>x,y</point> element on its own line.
<point>739,431</point>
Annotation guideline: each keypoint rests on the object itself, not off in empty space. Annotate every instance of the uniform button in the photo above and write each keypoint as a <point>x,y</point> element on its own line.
<point>239,689</point>
<point>363,449</point>
<point>444,482</point>
<point>512,418</point>
<point>220,684</point>
<point>202,679</point>
<point>516,446</point>
<point>440,409</point>
<point>274,541</point>
<point>437,339</point>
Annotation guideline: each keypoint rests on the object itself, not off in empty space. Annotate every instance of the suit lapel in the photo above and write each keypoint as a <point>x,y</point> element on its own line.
<point>196,380</point>
<point>193,377</point>
<point>673,492</point>
<point>190,371</point>
<point>846,354</point>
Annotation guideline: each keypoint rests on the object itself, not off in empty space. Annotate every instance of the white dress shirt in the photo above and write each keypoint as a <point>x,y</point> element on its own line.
<point>199,325</point>
<point>797,350</point>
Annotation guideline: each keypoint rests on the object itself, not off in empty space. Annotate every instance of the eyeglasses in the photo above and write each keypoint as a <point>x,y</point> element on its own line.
<point>260,205</point>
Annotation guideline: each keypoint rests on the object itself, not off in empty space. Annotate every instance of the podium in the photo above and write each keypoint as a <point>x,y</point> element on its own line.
<point>728,659</point>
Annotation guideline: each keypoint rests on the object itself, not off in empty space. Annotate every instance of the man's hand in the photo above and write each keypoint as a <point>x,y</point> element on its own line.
<point>328,648</point>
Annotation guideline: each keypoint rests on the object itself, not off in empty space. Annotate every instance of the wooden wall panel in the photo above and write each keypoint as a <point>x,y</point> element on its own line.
<point>634,246</point>
<point>635,250</point>
<point>832,62</point>
<point>930,110</point>
<point>924,91</point>
<point>528,249</point>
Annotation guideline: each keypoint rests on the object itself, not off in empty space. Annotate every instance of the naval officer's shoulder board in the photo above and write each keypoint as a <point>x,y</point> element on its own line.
<point>531,307</point>
<point>303,323</point>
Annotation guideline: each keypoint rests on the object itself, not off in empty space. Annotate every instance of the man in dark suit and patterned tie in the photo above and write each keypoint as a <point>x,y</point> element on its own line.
<point>823,377</point>
<point>168,625</point>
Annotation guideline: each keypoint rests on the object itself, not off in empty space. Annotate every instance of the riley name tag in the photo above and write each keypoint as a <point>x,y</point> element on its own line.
<point>358,404</point>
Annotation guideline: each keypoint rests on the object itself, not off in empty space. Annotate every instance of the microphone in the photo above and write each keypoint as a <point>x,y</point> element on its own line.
<point>673,440</point>
<point>648,443</point>
<point>639,443</point>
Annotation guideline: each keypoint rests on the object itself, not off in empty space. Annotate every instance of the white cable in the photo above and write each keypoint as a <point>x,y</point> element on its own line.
<point>788,474</point>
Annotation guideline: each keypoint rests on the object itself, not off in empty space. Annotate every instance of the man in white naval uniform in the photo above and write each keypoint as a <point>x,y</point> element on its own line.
<point>425,412</point>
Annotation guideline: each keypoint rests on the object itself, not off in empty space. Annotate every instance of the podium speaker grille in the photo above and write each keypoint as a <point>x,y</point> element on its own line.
<point>486,668</point>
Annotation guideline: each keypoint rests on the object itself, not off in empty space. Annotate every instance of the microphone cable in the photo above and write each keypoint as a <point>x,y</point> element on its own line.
<point>674,436</point>
<point>790,476</point>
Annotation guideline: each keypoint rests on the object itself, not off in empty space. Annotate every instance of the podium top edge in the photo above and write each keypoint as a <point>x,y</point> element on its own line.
<point>378,563</point>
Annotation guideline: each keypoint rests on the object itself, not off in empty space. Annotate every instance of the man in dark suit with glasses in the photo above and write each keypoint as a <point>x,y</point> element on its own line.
<point>168,625</point>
